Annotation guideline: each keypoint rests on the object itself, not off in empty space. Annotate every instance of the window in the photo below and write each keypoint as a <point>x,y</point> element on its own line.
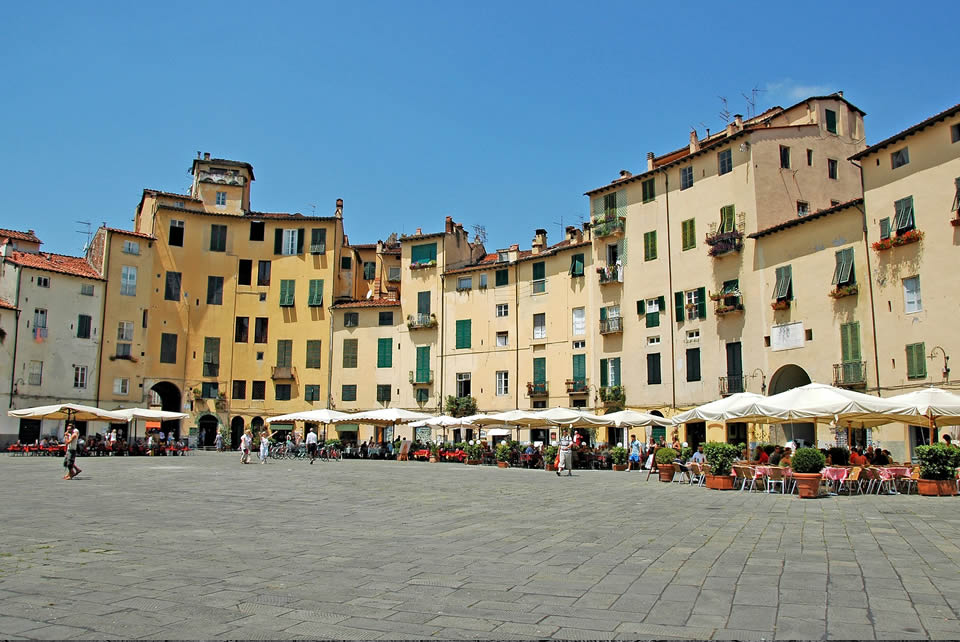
<point>540,374</point>
<point>423,364</point>
<point>239,389</point>
<point>652,308</point>
<point>43,282</point>
<point>263,273</point>
<point>211,356</point>
<point>955,133</point>
<point>503,339</point>
<point>176,233</point>
<point>124,350</point>
<point>258,390</point>
<point>503,309</point>
<point>464,283</point>
<point>423,396</point>
<point>83,326</point>
<point>87,290</point>
<point>463,384</point>
<point>809,158</point>
<point>686,177</point>
<point>218,238</point>
<point>483,281</point>
<point>649,189</point>
<point>884,228</point>
<point>423,254</point>
<point>576,265</point>
<point>121,386</point>
<point>369,270</point>
<point>693,336</point>
<point>244,272</point>
<point>221,199</point>
<point>579,345</point>
<point>393,274</point>
<point>172,290</point>
<point>385,353</point>
<point>900,158</point>
<point>724,163</point>
<point>501,278</point>
<point>281,391</point>
<point>833,168</point>
<point>168,348</point>
<point>463,333</point>
<point>351,319</point>
<point>284,353</point>
<point>831,121</point>
<point>257,229</point>
<point>540,326</point>
<point>287,291</point>
<point>260,326</point>
<point>905,220</point>
<point>79,376</point>
<point>690,304</point>
<point>386,318</point>
<point>579,322</point>
<point>911,295</point>
<point>345,263</point>
<point>125,331</point>
<point>315,297</point>
<point>803,208</point>
<point>954,208</point>
<point>314,353</point>
<point>850,350</point>
<point>783,289</point>
<point>35,376</point>
<point>311,392</point>
<point>784,157</point>
<point>539,277</point>
<point>727,219</point>
<point>40,318</point>
<point>289,242</point>
<point>503,383</point>
<point>609,372</point>
<point>423,303</point>
<point>131,247</point>
<point>349,353</point>
<point>693,364</point>
<point>653,341</point>
<point>688,234</point>
<point>383,392</point>
<point>653,368</point>
<point>214,290</point>
<point>916,361</point>
<point>579,373</point>
<point>318,240</point>
<point>128,280</point>
<point>650,245</point>
<point>844,273</point>
<point>503,256</point>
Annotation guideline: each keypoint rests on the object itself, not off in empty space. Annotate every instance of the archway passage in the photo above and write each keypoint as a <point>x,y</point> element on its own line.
<point>208,426</point>
<point>236,429</point>
<point>171,400</point>
<point>786,378</point>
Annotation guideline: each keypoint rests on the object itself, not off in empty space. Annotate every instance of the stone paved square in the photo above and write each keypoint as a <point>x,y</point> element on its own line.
<point>202,547</point>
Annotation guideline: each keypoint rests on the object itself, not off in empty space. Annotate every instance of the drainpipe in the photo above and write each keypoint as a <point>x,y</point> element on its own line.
<point>441,320</point>
<point>516,350</point>
<point>873,310</point>
<point>103,311</point>
<point>336,283</point>
<point>16,336</point>
<point>673,349</point>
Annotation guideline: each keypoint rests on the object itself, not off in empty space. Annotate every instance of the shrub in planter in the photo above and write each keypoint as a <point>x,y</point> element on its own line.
<point>332,443</point>
<point>686,453</point>
<point>549,457</point>
<point>720,456</point>
<point>474,452</point>
<point>619,455</point>
<point>503,453</point>
<point>665,457</point>
<point>938,465</point>
<point>807,464</point>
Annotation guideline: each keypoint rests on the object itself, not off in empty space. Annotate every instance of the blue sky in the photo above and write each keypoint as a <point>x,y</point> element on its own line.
<point>496,113</point>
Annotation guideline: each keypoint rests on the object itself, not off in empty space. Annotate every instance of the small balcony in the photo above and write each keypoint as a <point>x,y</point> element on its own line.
<point>723,243</point>
<point>318,248</point>
<point>283,373</point>
<point>537,389</point>
<point>611,325</point>
<point>905,238</point>
<point>608,226</point>
<point>421,320</point>
<point>731,384</point>
<point>613,396</point>
<point>850,374</point>
<point>577,386</point>
<point>423,265</point>
<point>727,303</point>
<point>842,291</point>
<point>421,377</point>
<point>610,274</point>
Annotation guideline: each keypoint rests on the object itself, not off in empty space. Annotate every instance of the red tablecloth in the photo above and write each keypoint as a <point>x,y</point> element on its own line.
<point>835,474</point>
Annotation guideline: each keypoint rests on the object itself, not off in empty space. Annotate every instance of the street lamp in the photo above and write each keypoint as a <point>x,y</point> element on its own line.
<point>763,380</point>
<point>946,361</point>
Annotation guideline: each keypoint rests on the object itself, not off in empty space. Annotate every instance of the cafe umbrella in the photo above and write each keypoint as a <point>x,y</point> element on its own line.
<point>67,412</point>
<point>147,414</point>
<point>323,416</point>
<point>940,407</point>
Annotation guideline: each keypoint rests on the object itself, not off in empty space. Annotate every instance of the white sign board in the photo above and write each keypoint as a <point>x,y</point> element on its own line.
<point>787,336</point>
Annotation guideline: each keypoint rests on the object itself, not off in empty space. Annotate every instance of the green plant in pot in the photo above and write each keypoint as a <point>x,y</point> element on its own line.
<point>434,451</point>
<point>807,464</point>
<point>503,455</point>
<point>618,454</point>
<point>665,457</point>
<point>549,457</point>
<point>720,456</point>
<point>938,465</point>
<point>474,452</point>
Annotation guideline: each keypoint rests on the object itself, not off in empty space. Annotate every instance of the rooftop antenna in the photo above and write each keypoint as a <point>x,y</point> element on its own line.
<point>563,230</point>
<point>707,129</point>
<point>480,232</point>
<point>725,111</point>
<point>313,208</point>
<point>752,101</point>
<point>85,232</point>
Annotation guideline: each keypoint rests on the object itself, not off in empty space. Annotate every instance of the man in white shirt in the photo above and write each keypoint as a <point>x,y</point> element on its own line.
<point>699,456</point>
<point>312,444</point>
<point>565,455</point>
<point>71,437</point>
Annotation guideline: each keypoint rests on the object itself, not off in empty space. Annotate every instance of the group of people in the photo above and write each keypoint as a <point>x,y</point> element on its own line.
<point>870,457</point>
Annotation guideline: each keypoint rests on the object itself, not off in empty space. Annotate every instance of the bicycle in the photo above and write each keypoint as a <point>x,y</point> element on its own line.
<point>328,453</point>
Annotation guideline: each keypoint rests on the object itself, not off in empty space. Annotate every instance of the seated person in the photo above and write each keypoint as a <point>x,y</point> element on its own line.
<point>698,456</point>
<point>785,458</point>
<point>774,459</point>
<point>762,456</point>
<point>529,450</point>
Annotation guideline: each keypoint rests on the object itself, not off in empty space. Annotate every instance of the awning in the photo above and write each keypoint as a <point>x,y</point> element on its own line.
<point>152,425</point>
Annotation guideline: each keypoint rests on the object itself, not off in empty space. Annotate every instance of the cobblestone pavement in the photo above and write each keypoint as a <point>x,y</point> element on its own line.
<point>202,547</point>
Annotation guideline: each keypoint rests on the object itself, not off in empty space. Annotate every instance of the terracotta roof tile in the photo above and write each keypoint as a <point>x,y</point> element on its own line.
<point>20,236</point>
<point>833,209</point>
<point>368,303</point>
<point>947,113</point>
<point>185,197</point>
<point>117,230</point>
<point>6,304</point>
<point>72,265</point>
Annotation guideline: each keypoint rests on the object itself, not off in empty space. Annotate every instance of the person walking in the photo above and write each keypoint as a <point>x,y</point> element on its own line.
<point>71,437</point>
<point>246,443</point>
<point>565,455</point>
<point>218,442</point>
<point>634,453</point>
<point>312,444</point>
<point>264,447</point>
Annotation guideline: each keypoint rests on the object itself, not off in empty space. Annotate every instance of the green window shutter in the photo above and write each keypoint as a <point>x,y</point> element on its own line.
<point>318,240</point>
<point>622,251</point>
<point>688,234</point>
<point>641,307</point>
<point>503,278</point>
<point>580,368</point>
<point>432,251</point>
<point>416,254</point>
<point>423,363</point>
<point>287,292</point>
<point>301,232</point>
<point>838,270</point>
<point>604,374</point>
<point>603,314</point>
<point>316,292</point>
<point>702,303</point>
<point>653,319</point>
<point>384,353</point>
<point>540,370</point>
<point>854,341</point>
<point>576,265</point>
<point>278,241</point>
<point>314,354</point>
<point>884,228</point>
<point>661,304</point>
<point>782,289</point>
<point>956,197</point>
<point>615,371</point>
<point>678,306</point>
<point>831,121</point>
<point>649,190</point>
<point>463,333</point>
<point>349,353</point>
<point>423,303</point>
<point>916,361</point>
<point>727,218</point>
<point>539,271</point>
<point>650,246</point>
<point>904,209</point>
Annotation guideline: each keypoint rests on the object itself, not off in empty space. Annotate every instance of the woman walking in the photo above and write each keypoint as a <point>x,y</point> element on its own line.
<point>264,447</point>
<point>246,443</point>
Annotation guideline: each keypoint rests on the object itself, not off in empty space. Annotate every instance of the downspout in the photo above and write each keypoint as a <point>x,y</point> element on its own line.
<point>336,281</point>
<point>516,351</point>
<point>233,342</point>
<point>673,349</point>
<point>16,336</point>
<point>873,311</point>
<point>440,321</point>
<point>103,311</point>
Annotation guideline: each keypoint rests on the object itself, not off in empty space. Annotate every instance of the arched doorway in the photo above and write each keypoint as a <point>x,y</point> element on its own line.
<point>658,432</point>
<point>256,425</point>
<point>236,429</point>
<point>786,378</point>
<point>172,400</point>
<point>207,426</point>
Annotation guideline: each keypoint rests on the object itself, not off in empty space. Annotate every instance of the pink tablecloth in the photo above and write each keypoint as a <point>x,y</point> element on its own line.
<point>836,474</point>
<point>765,470</point>
<point>893,472</point>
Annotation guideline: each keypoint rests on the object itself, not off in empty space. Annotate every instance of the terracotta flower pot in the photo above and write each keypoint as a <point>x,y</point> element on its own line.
<point>720,482</point>
<point>619,467</point>
<point>433,459</point>
<point>808,484</point>
<point>550,468</point>
<point>936,488</point>
<point>666,472</point>
<point>473,462</point>
<point>503,464</point>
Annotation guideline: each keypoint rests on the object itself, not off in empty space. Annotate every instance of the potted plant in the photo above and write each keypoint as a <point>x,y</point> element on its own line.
<point>807,464</point>
<point>780,304</point>
<point>474,453</point>
<point>665,457</point>
<point>434,452</point>
<point>720,456</point>
<point>503,455</point>
<point>550,458</point>
<point>938,464</point>
<point>619,456</point>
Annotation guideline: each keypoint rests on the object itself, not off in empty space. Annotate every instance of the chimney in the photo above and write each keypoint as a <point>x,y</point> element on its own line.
<point>539,241</point>
<point>731,129</point>
<point>694,142</point>
<point>573,234</point>
<point>206,155</point>
<point>379,247</point>
<point>650,158</point>
<point>339,212</point>
<point>448,225</point>
<point>419,231</point>
<point>198,155</point>
<point>738,120</point>
<point>625,174</point>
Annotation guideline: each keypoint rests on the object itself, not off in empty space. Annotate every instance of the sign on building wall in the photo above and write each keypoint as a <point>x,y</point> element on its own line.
<point>787,336</point>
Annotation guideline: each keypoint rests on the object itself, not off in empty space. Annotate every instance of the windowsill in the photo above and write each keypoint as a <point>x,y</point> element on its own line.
<point>914,312</point>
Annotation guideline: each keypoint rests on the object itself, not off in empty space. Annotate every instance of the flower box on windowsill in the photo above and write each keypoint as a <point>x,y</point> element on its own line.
<point>423,265</point>
<point>906,238</point>
<point>728,309</point>
<point>955,221</point>
<point>844,290</point>
<point>125,357</point>
<point>724,243</point>
<point>782,304</point>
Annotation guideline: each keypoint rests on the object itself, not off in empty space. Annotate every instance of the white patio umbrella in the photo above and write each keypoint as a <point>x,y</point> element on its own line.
<point>388,417</point>
<point>442,421</point>
<point>67,412</point>
<point>147,414</point>
<point>940,407</point>
<point>635,419</point>
<point>320,416</point>
<point>720,410</point>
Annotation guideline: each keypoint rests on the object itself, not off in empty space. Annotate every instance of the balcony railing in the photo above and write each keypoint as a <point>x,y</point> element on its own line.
<point>607,226</point>
<point>610,274</point>
<point>318,248</point>
<point>722,243</point>
<point>577,386</point>
<point>283,373</point>
<point>421,377</point>
<point>850,374</point>
<point>537,389</point>
<point>611,325</point>
<point>731,384</point>
<point>728,304</point>
<point>423,265</point>
<point>421,320</point>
